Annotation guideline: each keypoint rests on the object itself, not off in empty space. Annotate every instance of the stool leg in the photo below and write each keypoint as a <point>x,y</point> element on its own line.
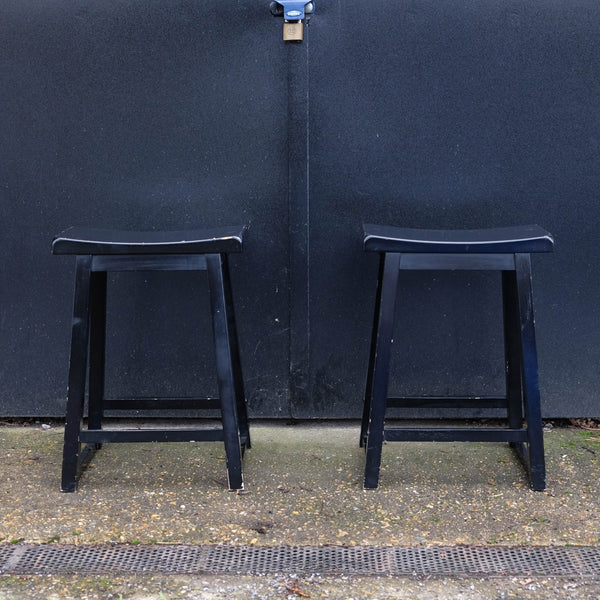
<point>531,389</point>
<point>513,360</point>
<point>512,349</point>
<point>225,372</point>
<point>238,379</point>
<point>381,371</point>
<point>364,428</point>
<point>97,349</point>
<point>77,373</point>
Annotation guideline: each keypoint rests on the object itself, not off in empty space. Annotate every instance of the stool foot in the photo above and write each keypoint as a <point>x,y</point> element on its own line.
<point>535,469</point>
<point>372,475</point>
<point>538,480</point>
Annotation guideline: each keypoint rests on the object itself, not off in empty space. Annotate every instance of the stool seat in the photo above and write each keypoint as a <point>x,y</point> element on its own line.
<point>81,240</point>
<point>525,238</point>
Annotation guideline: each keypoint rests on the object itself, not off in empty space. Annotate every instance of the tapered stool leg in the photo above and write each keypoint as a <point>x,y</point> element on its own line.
<point>381,371</point>
<point>512,354</point>
<point>240,396</point>
<point>364,428</point>
<point>531,390</point>
<point>97,349</point>
<point>77,373</point>
<point>512,348</point>
<point>225,373</point>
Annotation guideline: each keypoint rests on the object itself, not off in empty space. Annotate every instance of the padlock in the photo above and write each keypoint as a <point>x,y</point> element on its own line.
<point>293,31</point>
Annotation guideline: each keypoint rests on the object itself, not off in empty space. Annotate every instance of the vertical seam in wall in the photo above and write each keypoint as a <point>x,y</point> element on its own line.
<point>307,192</point>
<point>299,224</point>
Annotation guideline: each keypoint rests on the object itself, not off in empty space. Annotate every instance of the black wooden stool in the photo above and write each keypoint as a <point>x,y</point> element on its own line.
<point>504,249</point>
<point>100,251</point>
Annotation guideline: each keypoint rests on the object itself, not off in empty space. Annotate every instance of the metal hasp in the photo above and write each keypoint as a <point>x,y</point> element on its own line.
<point>294,13</point>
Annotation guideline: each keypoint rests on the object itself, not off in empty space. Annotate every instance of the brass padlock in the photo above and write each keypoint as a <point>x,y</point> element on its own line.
<point>293,31</point>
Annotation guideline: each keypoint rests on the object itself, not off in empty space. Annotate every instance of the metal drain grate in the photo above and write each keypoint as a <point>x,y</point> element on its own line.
<point>5,553</point>
<point>460,561</point>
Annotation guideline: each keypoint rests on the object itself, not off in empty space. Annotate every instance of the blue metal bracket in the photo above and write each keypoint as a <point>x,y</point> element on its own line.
<point>295,10</point>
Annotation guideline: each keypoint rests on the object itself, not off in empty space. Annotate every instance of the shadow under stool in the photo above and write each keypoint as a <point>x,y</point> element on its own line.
<point>504,249</point>
<point>100,251</point>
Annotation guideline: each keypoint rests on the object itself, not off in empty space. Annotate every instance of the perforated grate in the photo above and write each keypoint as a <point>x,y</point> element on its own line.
<point>460,561</point>
<point>5,553</point>
<point>486,560</point>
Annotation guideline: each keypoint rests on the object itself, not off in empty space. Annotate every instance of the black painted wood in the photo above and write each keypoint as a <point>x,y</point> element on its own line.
<point>423,261</point>
<point>146,404</point>
<point>88,345</point>
<point>77,374</point>
<point>522,396</point>
<point>521,238</point>
<point>381,348</point>
<point>529,373</point>
<point>81,240</point>
<point>106,436</point>
<point>445,402</point>
<point>149,262</point>
<point>234,424</point>
<point>447,434</point>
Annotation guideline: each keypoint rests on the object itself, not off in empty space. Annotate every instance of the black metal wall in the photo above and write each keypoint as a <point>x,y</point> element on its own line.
<point>149,115</point>
<point>456,114</point>
<point>141,114</point>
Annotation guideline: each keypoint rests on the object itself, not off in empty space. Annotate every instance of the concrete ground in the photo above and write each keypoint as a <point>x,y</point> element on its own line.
<point>303,486</point>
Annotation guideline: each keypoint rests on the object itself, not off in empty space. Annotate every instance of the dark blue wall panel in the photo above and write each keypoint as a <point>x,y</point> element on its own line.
<point>455,114</point>
<point>153,115</point>
<point>148,115</point>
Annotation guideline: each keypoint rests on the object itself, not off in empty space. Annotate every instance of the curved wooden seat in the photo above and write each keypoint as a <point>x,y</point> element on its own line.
<point>80,240</point>
<point>526,238</point>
